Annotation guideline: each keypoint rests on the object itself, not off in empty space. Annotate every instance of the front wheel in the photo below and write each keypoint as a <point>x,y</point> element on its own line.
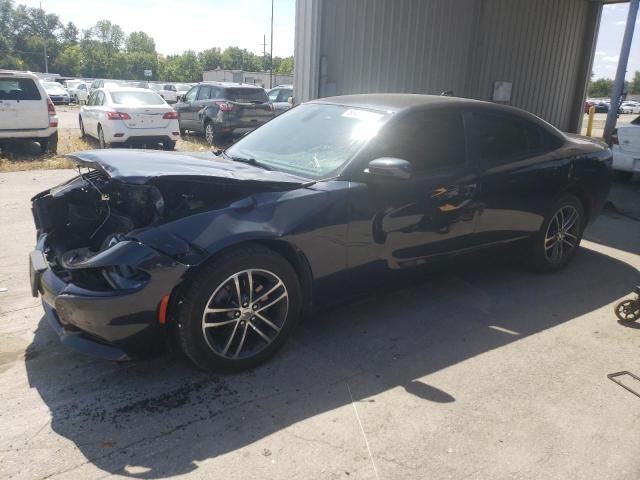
<point>555,244</point>
<point>239,310</point>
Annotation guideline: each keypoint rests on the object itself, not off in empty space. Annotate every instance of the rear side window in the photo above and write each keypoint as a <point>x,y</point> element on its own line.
<point>284,95</point>
<point>431,141</point>
<point>18,89</point>
<point>246,95</point>
<point>502,138</point>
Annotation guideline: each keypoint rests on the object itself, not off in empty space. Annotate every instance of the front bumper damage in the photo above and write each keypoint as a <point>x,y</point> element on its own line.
<point>113,324</point>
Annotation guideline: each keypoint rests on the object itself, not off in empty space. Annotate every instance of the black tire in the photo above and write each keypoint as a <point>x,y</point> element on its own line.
<point>214,282</point>
<point>49,145</point>
<point>169,145</point>
<point>183,132</point>
<point>103,143</point>
<point>81,123</point>
<point>627,310</point>
<point>210,134</point>
<point>549,239</point>
<point>623,177</point>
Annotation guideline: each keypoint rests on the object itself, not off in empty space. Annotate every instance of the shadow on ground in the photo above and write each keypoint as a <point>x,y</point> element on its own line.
<point>159,418</point>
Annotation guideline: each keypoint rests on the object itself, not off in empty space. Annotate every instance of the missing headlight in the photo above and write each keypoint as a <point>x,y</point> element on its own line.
<point>124,277</point>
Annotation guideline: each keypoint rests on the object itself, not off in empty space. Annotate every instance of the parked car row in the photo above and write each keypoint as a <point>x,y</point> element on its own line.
<point>603,106</point>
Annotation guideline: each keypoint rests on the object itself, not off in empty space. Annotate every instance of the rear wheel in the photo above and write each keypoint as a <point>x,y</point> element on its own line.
<point>82,133</point>
<point>49,144</point>
<point>210,133</point>
<point>239,310</point>
<point>556,242</point>
<point>169,145</point>
<point>101,140</point>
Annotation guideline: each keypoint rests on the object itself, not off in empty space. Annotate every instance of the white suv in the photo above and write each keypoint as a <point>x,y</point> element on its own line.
<point>26,111</point>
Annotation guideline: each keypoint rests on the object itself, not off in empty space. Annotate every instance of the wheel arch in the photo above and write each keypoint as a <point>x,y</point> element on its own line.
<point>584,198</point>
<point>292,254</point>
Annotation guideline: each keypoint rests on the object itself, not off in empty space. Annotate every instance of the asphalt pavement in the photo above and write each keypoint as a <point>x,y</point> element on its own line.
<point>479,372</point>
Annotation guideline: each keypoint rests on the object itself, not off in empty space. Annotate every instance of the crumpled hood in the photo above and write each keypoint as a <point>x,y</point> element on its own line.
<point>141,166</point>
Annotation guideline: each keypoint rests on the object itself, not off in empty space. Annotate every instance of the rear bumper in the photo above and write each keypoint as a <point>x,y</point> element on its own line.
<point>109,324</point>
<point>625,161</point>
<point>27,134</point>
<point>122,134</point>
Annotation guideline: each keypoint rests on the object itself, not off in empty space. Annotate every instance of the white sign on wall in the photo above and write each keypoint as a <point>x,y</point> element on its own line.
<point>148,73</point>
<point>502,92</point>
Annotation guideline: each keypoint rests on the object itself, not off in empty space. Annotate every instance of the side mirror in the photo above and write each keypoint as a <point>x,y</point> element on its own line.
<point>388,167</point>
<point>290,100</point>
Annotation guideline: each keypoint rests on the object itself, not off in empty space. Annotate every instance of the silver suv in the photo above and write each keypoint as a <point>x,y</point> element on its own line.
<point>26,111</point>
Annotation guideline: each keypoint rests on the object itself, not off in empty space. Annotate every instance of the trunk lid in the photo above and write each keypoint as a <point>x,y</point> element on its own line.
<point>148,116</point>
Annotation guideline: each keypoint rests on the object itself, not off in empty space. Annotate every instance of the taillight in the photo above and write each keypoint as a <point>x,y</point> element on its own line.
<point>51,108</point>
<point>225,106</point>
<point>118,116</point>
<point>614,138</point>
<point>170,115</point>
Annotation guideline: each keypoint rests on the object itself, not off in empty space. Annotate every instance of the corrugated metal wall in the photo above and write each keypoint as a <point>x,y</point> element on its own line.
<point>427,46</point>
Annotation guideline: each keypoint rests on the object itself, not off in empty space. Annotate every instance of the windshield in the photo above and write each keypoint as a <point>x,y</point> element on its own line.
<point>137,98</point>
<point>311,140</point>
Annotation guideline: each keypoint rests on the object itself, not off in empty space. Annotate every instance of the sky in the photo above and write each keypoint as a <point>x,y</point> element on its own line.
<point>610,39</point>
<point>177,26</point>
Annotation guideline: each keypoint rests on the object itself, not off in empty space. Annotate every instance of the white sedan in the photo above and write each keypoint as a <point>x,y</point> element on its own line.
<point>630,107</point>
<point>133,116</point>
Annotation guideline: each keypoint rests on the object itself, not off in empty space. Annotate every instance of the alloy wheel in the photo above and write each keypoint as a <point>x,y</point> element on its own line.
<point>208,133</point>
<point>628,310</point>
<point>562,234</point>
<point>245,313</point>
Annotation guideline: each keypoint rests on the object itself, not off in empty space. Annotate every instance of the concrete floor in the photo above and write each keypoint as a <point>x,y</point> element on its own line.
<point>485,372</point>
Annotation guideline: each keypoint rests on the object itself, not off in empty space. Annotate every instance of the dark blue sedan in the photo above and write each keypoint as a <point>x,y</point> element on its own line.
<point>226,251</point>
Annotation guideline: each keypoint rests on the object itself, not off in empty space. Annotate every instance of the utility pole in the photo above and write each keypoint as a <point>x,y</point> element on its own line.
<point>44,41</point>
<point>618,84</point>
<point>264,51</point>
<point>271,55</point>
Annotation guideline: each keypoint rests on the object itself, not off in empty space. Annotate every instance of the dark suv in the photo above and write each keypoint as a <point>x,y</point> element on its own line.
<point>219,110</point>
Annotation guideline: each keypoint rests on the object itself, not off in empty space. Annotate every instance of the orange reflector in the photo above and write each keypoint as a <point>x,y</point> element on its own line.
<point>162,312</point>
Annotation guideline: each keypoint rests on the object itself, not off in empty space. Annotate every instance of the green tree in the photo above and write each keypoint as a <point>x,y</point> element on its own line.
<point>285,66</point>
<point>69,62</point>
<point>69,35</point>
<point>210,59</point>
<point>602,87</point>
<point>634,84</point>
<point>140,42</point>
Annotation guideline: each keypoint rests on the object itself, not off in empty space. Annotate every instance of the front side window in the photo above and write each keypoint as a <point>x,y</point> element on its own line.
<point>502,138</point>
<point>204,93</point>
<point>312,140</point>
<point>191,95</point>
<point>431,140</point>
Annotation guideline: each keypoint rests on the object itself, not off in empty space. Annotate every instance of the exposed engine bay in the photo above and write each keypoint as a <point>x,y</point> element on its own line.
<point>92,211</point>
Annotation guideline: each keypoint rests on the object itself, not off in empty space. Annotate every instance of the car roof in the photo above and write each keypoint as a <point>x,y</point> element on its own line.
<point>17,74</point>
<point>395,102</point>
<point>231,85</point>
